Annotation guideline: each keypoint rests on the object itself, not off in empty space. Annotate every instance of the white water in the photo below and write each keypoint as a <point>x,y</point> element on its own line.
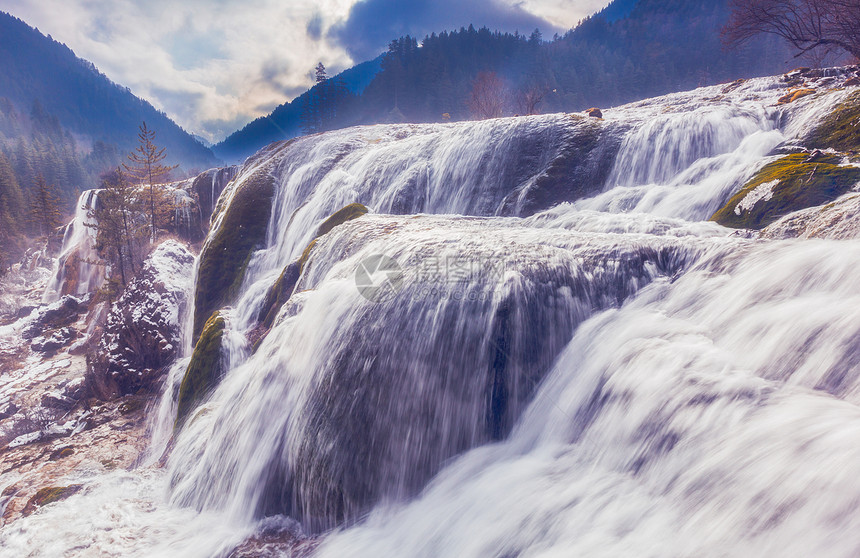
<point>636,382</point>
<point>79,247</point>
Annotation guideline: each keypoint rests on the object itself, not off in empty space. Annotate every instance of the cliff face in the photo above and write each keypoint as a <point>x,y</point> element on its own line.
<point>142,334</point>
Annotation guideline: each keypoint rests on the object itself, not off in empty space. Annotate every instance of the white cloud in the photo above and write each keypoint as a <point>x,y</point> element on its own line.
<point>563,13</point>
<point>213,65</point>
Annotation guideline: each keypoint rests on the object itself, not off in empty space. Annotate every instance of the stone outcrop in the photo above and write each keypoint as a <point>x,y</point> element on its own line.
<point>240,230</point>
<point>142,333</point>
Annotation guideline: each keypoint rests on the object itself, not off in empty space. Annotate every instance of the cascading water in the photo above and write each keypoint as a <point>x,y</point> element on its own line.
<point>575,363</point>
<point>77,270</point>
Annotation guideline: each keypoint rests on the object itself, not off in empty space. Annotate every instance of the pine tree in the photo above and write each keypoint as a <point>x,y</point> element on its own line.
<point>119,236</point>
<point>11,201</point>
<point>146,168</point>
<point>313,114</point>
<point>45,207</point>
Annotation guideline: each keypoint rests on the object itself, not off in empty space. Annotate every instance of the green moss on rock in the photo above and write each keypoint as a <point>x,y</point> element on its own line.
<point>205,369</point>
<point>49,495</point>
<point>840,130</point>
<point>788,184</point>
<point>284,286</point>
<point>226,254</point>
<point>279,293</point>
<point>341,216</point>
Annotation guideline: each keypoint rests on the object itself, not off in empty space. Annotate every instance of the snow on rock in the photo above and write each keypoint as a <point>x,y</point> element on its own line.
<point>143,328</point>
<point>762,192</point>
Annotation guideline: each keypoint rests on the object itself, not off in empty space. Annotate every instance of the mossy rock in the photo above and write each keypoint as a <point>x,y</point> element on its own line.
<point>285,284</point>
<point>49,495</point>
<point>341,216</point>
<point>205,369</point>
<point>279,293</point>
<point>840,130</point>
<point>226,254</point>
<point>788,184</point>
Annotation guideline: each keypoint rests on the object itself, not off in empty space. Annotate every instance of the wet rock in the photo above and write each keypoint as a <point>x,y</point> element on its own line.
<point>49,495</point>
<point>142,333</point>
<point>277,537</point>
<point>208,186</point>
<point>24,311</point>
<point>59,314</point>
<point>205,369</point>
<point>850,82</point>
<point>794,95</point>
<point>225,256</point>
<point>54,340</point>
<point>594,112</point>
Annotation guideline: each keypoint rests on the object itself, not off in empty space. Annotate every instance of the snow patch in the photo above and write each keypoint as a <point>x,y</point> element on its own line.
<point>762,192</point>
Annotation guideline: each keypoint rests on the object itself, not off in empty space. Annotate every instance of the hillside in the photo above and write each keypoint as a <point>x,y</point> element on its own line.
<point>286,120</point>
<point>37,68</point>
<point>630,50</point>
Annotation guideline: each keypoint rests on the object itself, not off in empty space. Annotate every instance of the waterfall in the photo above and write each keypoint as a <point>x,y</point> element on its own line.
<point>77,270</point>
<point>714,415</point>
<point>533,344</point>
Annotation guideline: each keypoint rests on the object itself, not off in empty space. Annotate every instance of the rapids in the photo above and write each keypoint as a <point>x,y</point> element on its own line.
<point>565,358</point>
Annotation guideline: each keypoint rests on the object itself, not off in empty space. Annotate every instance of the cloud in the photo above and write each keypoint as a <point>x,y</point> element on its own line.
<point>208,64</point>
<point>373,23</point>
<point>214,65</point>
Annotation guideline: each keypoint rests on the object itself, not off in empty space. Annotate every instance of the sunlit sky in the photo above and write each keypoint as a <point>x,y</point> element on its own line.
<point>214,65</point>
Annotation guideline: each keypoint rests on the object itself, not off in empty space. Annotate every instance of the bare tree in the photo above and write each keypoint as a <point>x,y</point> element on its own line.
<point>528,100</point>
<point>808,25</point>
<point>488,97</point>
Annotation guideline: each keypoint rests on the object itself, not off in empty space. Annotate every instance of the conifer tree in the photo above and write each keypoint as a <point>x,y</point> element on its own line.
<point>44,207</point>
<point>145,166</point>
<point>12,207</point>
<point>119,235</point>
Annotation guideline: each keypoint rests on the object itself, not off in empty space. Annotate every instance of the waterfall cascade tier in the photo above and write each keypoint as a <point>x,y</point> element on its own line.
<point>535,343</point>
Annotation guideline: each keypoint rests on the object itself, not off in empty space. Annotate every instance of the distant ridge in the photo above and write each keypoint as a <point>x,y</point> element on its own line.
<point>629,50</point>
<point>34,67</point>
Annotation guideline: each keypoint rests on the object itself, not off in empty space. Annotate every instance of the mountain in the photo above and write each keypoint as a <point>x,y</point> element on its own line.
<point>35,68</point>
<point>286,120</point>
<point>618,9</point>
<point>630,50</point>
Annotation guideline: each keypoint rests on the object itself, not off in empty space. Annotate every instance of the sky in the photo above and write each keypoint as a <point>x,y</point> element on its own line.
<point>214,65</point>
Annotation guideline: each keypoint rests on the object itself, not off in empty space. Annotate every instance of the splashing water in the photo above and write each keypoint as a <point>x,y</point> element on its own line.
<point>603,375</point>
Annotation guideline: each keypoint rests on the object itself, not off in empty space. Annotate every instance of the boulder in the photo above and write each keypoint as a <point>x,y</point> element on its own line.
<point>786,185</point>
<point>205,369</point>
<point>142,332</point>
<point>594,112</point>
<point>52,341</point>
<point>239,229</point>
<point>56,315</point>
